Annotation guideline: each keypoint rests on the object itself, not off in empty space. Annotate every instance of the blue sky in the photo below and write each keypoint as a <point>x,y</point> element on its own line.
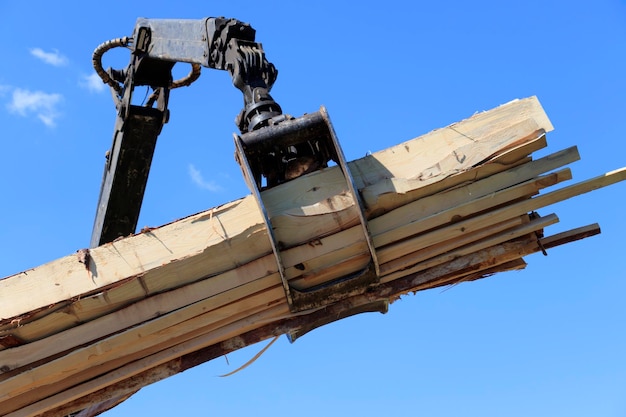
<point>548,340</point>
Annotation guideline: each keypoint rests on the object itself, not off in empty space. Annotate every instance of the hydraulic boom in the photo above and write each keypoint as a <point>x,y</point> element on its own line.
<point>219,43</point>
<point>272,147</point>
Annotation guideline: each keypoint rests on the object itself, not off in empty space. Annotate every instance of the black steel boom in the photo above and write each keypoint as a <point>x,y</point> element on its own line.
<point>218,43</point>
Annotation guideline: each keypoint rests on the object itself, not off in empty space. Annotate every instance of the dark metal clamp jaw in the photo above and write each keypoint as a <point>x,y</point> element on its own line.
<point>317,128</point>
<point>274,148</point>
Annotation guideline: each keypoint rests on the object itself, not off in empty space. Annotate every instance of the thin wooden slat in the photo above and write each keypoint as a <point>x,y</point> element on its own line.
<point>44,374</point>
<point>493,240</point>
<point>545,200</point>
<point>121,374</point>
<point>67,278</point>
<point>426,206</point>
<point>55,376</point>
<point>420,253</point>
<point>442,142</point>
<point>322,258</point>
<point>570,236</point>
<point>604,181</point>
<point>504,252</point>
<point>391,193</point>
<point>107,298</point>
<point>61,344</point>
<point>415,225</point>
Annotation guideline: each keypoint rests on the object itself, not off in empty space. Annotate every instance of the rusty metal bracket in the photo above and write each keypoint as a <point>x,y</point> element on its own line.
<point>311,127</point>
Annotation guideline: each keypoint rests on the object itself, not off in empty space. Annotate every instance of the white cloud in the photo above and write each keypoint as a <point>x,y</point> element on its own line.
<point>43,105</point>
<point>197,178</point>
<point>53,58</point>
<point>92,83</point>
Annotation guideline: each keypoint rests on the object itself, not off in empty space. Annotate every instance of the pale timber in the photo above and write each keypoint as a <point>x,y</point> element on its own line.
<point>447,207</point>
<point>113,383</point>
<point>512,176</point>
<point>236,222</point>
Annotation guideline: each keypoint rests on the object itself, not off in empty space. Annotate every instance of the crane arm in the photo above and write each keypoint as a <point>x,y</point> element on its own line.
<point>276,147</point>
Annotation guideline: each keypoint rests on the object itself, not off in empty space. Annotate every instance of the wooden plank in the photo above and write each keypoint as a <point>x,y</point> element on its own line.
<point>592,184</point>
<point>151,373</point>
<point>604,181</point>
<point>298,208</point>
<point>391,193</point>
<point>441,143</point>
<point>141,312</point>
<point>570,236</point>
<point>106,299</point>
<point>509,252</point>
<point>541,201</point>
<point>419,224</point>
<point>462,266</point>
<point>56,375</point>
<point>316,205</point>
<point>320,243</point>
<point>179,245</point>
<point>420,253</point>
<point>491,241</point>
<point>12,360</point>
<point>429,205</point>
<point>452,281</point>
<point>165,249</point>
<point>137,313</point>
<point>131,369</point>
<point>66,315</point>
<point>41,378</point>
<point>410,228</point>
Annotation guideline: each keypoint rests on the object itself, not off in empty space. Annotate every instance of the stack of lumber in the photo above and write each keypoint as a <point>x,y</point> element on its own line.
<point>454,205</point>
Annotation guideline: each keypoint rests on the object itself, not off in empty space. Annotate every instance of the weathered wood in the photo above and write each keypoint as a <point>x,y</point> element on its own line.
<point>100,407</point>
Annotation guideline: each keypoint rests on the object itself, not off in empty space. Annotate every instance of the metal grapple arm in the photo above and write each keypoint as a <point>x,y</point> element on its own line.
<point>219,43</point>
<point>272,148</point>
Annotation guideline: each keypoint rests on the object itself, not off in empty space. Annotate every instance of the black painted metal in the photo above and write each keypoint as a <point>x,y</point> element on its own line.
<point>279,147</point>
<point>126,175</point>
<point>315,127</point>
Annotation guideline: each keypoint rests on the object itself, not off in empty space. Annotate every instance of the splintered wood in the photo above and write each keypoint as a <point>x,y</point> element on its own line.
<point>457,204</point>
